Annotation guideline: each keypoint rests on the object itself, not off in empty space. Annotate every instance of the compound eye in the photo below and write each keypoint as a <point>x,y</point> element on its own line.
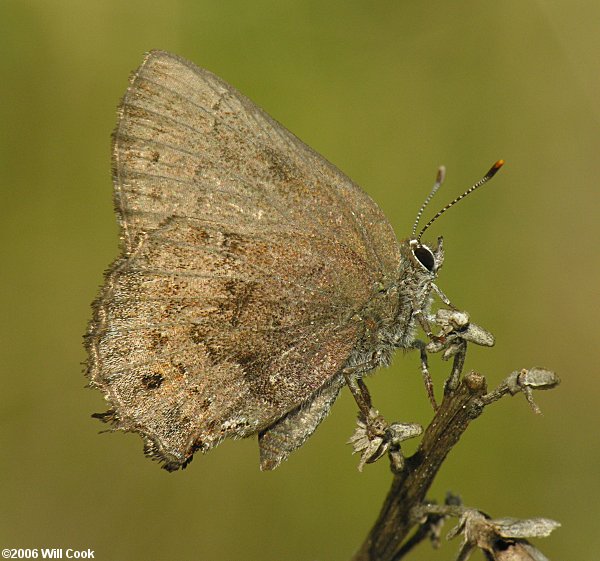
<point>425,257</point>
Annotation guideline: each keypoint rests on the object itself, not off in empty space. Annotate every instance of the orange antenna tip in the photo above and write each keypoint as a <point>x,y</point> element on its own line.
<point>494,169</point>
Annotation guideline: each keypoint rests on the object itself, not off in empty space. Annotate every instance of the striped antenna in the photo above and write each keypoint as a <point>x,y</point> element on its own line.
<point>493,170</point>
<point>439,179</point>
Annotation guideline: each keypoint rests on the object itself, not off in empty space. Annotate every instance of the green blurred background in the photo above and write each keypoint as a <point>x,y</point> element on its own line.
<point>387,91</point>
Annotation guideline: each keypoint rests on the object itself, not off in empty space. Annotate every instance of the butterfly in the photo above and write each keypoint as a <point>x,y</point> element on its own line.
<point>255,279</point>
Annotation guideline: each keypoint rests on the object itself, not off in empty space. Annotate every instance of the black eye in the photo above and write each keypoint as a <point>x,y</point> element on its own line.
<point>425,257</point>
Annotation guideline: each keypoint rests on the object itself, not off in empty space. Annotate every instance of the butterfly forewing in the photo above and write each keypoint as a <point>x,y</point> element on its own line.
<point>246,260</point>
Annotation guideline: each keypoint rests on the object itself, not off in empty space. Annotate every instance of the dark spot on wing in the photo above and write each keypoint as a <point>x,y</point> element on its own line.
<point>158,340</point>
<point>152,381</point>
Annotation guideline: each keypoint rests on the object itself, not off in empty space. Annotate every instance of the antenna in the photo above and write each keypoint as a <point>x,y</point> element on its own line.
<point>493,170</point>
<point>439,179</point>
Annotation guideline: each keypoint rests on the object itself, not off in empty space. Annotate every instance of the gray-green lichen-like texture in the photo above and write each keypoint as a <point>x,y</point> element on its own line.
<point>252,271</point>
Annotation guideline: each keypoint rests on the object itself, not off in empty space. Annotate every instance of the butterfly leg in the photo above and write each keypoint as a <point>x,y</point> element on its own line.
<point>427,380</point>
<point>424,323</point>
<point>359,390</point>
<point>442,296</point>
<point>373,436</point>
<point>455,329</point>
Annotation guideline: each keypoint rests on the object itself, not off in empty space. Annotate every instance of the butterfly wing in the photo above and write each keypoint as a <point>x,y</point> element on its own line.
<point>245,260</point>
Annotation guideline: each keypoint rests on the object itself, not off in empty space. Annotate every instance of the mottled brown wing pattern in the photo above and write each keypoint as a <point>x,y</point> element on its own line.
<point>245,259</point>
<point>197,339</point>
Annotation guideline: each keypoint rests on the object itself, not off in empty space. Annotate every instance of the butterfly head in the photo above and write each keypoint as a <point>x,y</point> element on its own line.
<point>425,259</point>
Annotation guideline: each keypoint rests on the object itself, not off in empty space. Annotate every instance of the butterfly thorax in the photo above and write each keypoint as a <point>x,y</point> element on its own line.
<point>389,318</point>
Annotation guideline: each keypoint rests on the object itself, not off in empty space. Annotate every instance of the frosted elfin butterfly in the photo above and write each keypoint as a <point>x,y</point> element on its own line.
<point>255,279</point>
